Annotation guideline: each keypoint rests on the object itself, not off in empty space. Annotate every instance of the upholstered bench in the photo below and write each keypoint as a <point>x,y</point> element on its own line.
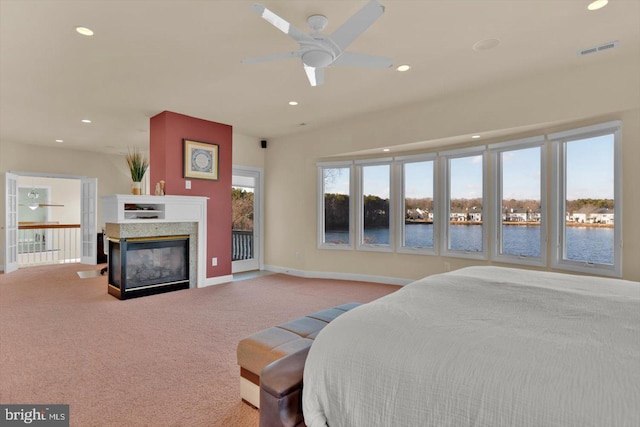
<point>260,349</point>
<point>281,391</point>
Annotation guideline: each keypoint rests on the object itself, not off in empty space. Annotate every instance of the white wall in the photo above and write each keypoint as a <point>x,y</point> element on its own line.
<point>247,151</point>
<point>552,101</point>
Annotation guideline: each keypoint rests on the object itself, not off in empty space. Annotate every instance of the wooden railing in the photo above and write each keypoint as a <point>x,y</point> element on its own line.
<point>48,244</point>
<point>241,244</point>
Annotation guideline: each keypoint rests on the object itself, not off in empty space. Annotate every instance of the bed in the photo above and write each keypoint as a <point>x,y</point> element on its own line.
<point>482,346</point>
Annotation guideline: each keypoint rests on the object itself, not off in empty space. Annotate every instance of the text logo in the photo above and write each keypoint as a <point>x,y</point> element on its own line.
<point>34,415</point>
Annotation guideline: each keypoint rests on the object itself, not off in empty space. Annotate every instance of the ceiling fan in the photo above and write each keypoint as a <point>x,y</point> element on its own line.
<point>33,203</point>
<point>318,51</point>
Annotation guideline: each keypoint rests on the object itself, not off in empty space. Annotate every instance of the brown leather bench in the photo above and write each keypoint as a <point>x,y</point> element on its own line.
<point>281,391</point>
<point>271,344</point>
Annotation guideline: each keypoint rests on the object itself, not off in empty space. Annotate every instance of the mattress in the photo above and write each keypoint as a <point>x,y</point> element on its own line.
<point>482,346</point>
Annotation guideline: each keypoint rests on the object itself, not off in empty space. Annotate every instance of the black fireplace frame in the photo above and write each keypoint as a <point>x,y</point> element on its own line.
<point>117,262</point>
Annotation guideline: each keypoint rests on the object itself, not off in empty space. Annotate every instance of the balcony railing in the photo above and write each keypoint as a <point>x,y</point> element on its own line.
<point>48,244</point>
<point>241,244</point>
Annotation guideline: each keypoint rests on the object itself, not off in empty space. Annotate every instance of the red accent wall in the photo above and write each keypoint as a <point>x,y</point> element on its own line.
<point>166,163</point>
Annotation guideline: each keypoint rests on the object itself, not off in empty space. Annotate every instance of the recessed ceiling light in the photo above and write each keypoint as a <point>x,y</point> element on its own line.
<point>84,31</point>
<point>386,150</point>
<point>486,44</point>
<point>597,4</point>
<point>403,68</point>
<point>86,121</point>
<point>59,140</point>
<point>475,136</point>
<point>293,103</point>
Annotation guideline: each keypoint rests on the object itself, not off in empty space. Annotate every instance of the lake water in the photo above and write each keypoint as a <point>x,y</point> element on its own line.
<point>583,244</point>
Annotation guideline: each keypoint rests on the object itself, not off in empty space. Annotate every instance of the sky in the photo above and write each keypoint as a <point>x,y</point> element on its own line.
<point>590,169</point>
<point>589,174</point>
<point>376,180</point>
<point>419,180</point>
<point>521,174</point>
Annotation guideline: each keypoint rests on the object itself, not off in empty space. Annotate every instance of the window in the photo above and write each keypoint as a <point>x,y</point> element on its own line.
<point>441,208</point>
<point>519,202</point>
<point>334,228</point>
<point>463,211</point>
<point>587,199</point>
<point>417,205</point>
<point>374,225</point>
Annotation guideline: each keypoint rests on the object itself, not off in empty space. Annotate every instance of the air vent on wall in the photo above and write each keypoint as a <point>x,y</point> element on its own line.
<point>595,49</point>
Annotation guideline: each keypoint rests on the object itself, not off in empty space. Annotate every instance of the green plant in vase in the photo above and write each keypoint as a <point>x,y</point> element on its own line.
<point>138,165</point>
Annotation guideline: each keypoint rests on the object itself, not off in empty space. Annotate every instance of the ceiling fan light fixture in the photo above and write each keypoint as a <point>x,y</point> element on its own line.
<point>317,58</point>
<point>33,206</point>
<point>597,4</point>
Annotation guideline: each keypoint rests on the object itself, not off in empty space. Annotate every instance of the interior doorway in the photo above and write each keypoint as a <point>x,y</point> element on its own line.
<point>246,228</point>
<point>50,218</point>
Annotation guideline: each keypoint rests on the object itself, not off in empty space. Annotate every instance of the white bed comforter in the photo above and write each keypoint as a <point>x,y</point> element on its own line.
<point>482,346</point>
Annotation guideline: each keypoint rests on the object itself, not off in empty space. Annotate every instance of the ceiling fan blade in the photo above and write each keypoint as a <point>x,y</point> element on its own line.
<point>40,205</point>
<point>349,59</point>
<point>275,56</point>
<point>281,24</point>
<point>315,75</point>
<point>357,24</point>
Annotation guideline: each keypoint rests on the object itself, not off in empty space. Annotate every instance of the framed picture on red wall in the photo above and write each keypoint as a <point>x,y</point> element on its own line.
<point>201,160</point>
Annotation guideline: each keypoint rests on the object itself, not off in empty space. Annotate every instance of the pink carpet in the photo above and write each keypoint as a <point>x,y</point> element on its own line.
<point>161,360</point>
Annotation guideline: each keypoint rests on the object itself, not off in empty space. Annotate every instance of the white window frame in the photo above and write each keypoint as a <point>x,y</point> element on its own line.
<point>360,245</point>
<point>559,141</point>
<point>320,211</point>
<point>445,158</point>
<point>400,163</point>
<point>497,175</point>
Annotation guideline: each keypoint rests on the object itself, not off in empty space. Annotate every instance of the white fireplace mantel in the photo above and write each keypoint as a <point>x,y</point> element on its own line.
<point>131,209</point>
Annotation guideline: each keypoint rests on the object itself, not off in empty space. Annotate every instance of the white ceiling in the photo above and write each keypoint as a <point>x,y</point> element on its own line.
<point>148,56</point>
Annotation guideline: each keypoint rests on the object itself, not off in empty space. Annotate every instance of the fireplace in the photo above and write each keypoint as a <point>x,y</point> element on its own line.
<point>148,265</point>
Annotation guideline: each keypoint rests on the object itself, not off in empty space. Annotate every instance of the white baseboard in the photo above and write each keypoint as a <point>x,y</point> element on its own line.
<point>338,276</point>
<point>210,281</point>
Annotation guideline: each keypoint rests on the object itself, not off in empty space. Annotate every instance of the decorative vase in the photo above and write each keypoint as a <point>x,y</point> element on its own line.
<point>136,188</point>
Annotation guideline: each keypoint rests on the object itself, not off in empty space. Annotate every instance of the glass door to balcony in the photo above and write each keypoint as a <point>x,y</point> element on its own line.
<point>246,220</point>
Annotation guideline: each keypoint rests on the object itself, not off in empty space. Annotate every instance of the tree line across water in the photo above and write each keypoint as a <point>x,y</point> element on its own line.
<point>376,209</point>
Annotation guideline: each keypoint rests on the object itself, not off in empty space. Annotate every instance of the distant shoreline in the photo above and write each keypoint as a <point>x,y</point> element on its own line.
<point>520,223</point>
